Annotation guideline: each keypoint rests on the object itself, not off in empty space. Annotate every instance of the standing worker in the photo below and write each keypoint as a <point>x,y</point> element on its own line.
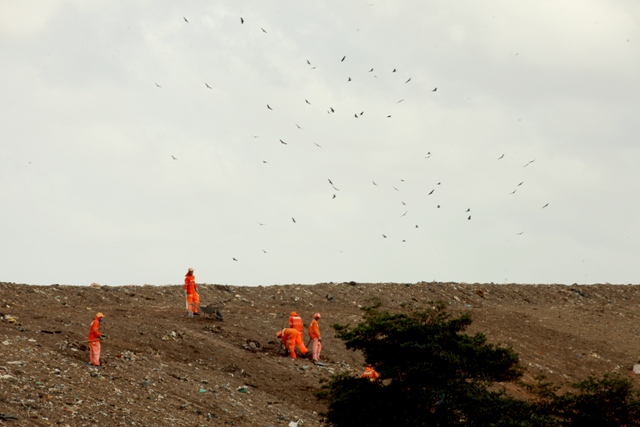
<point>94,339</point>
<point>314,334</point>
<point>191,292</point>
<point>370,373</point>
<point>290,337</point>
<point>295,322</point>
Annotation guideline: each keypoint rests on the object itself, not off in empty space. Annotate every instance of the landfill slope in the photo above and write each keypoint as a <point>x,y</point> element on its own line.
<point>162,368</point>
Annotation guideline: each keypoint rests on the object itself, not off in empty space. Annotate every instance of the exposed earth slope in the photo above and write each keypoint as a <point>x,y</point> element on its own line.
<point>162,368</point>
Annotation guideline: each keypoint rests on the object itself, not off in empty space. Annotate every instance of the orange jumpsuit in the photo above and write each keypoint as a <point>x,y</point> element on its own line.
<point>289,338</point>
<point>314,334</point>
<point>94,341</point>
<point>295,322</point>
<point>193,299</point>
<point>370,373</point>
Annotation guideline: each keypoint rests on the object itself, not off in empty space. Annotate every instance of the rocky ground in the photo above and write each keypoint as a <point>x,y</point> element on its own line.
<point>161,368</point>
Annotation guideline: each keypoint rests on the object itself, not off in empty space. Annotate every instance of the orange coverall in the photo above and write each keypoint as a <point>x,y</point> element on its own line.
<point>94,341</point>
<point>289,338</point>
<point>193,299</point>
<point>314,334</point>
<point>370,373</point>
<point>295,322</point>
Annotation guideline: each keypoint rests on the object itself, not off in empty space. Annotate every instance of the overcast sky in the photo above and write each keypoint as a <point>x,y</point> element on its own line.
<point>140,138</point>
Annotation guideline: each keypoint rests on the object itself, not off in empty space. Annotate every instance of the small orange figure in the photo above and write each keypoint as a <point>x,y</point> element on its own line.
<point>289,338</point>
<point>370,373</point>
<point>94,339</point>
<point>191,292</point>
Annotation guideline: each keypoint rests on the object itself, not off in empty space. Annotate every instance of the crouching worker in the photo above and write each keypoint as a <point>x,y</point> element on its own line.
<point>94,339</point>
<point>370,373</point>
<point>289,336</point>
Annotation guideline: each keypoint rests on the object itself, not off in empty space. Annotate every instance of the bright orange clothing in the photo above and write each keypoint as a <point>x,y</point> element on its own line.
<point>94,331</point>
<point>295,322</point>
<point>94,342</point>
<point>290,337</point>
<point>190,284</point>
<point>370,373</point>
<point>314,329</point>
<point>193,302</point>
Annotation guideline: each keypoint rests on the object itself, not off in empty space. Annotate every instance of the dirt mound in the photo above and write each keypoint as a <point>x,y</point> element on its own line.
<point>162,368</point>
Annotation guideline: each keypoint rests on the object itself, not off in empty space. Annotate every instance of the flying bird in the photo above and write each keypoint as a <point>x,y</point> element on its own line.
<point>362,112</point>
<point>349,79</point>
<point>241,20</point>
<point>468,210</point>
<point>355,115</point>
<point>173,157</point>
<point>185,19</point>
<point>431,192</point>
<point>520,233</point>
<point>500,157</point>
<point>374,183</point>
<point>389,116</point>
<point>318,145</point>
<point>298,126</point>
<point>334,196</point>
<point>545,206</point>
<point>263,30</point>
<point>384,236</point>
<point>234,259</point>
<point>293,219</point>
<point>513,192</point>
<point>408,80</point>
<point>269,107</point>
<point>434,89</point>
<point>405,212</point>
<point>529,163</point>
<point>469,218</point>
<point>158,85</point>
<point>207,85</point>
<point>307,102</point>
<point>283,142</point>
<point>520,184</point>
<point>332,110</point>
<point>343,58</point>
<point>395,188</point>
<point>308,62</point>
<point>400,101</point>
<point>264,251</point>
<point>394,70</point>
<point>371,70</point>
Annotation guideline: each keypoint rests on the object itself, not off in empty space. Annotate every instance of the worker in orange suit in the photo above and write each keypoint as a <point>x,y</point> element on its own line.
<point>290,337</point>
<point>295,322</point>
<point>314,334</point>
<point>191,292</point>
<point>370,373</point>
<point>94,339</point>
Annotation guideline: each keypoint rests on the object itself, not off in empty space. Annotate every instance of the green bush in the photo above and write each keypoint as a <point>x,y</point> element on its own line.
<point>434,374</point>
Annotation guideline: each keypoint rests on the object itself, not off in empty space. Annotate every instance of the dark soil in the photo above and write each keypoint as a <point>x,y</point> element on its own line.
<point>161,368</point>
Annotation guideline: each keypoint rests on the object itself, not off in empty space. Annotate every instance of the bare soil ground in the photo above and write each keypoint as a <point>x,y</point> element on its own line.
<point>161,368</point>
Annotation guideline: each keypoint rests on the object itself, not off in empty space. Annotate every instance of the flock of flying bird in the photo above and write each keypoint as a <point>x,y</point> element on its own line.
<point>331,110</point>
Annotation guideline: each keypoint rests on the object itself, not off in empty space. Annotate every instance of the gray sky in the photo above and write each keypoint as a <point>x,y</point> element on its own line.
<point>98,98</point>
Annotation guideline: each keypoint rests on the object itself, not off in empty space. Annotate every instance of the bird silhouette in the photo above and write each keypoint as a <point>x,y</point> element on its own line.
<point>269,107</point>
<point>408,80</point>
<point>362,112</point>
<point>332,110</point>
<point>395,188</point>
<point>334,196</point>
<point>389,116</point>
<point>283,142</point>
<point>185,19</point>
<point>500,157</point>
<point>298,126</point>
<point>234,259</point>
<point>520,233</point>
<point>431,192</point>
<point>529,163</point>
<point>405,212</point>
<point>207,85</point>
<point>520,184</point>
<point>374,183</point>
<point>264,251</point>
<point>394,70</point>
<point>173,157</point>
<point>384,236</point>
<point>158,85</point>
<point>241,20</point>
<point>307,102</point>
<point>545,206</point>
<point>294,220</point>
<point>468,210</point>
<point>318,145</point>
<point>308,62</point>
<point>371,70</point>
<point>469,218</point>
<point>355,115</point>
<point>513,192</point>
<point>434,89</point>
<point>343,58</point>
<point>349,79</point>
<point>263,30</point>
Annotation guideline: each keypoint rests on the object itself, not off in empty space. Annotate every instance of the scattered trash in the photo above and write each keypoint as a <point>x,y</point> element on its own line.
<point>202,390</point>
<point>243,389</point>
